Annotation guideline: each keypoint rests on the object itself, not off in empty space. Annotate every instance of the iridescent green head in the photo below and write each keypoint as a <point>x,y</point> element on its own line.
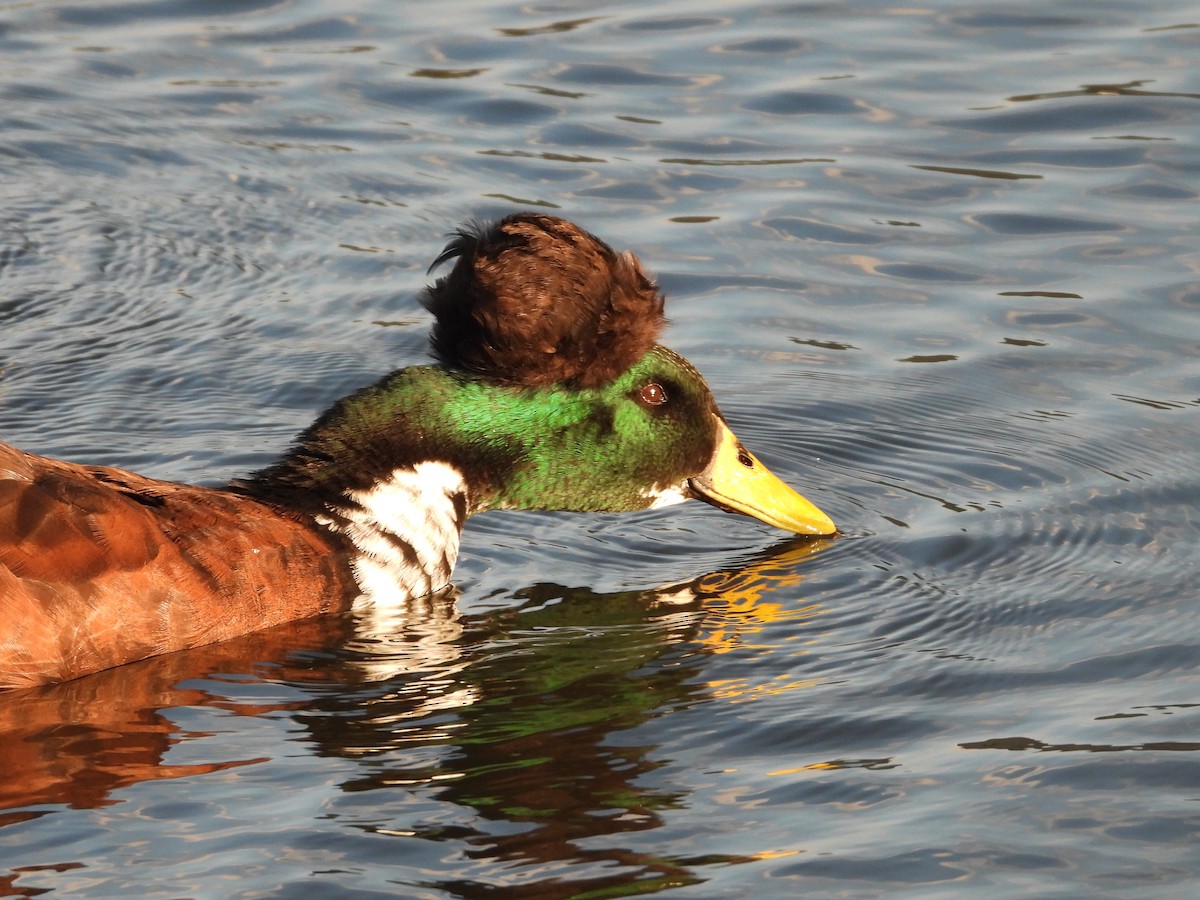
<point>552,393</point>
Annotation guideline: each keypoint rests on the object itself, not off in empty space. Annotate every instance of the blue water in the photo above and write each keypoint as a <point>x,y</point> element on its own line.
<point>938,263</point>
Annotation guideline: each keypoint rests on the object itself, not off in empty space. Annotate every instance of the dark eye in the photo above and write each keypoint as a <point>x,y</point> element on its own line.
<point>653,394</point>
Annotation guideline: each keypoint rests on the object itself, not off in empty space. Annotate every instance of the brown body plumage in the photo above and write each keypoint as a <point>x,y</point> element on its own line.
<point>99,567</point>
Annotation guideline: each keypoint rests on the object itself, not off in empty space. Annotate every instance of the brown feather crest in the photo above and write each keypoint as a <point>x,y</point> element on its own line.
<point>535,300</point>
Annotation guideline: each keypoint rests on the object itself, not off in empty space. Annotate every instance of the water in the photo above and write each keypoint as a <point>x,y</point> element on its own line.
<point>939,265</point>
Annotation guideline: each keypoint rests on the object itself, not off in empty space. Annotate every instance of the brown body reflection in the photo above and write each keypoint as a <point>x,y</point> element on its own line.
<point>523,706</point>
<point>75,743</point>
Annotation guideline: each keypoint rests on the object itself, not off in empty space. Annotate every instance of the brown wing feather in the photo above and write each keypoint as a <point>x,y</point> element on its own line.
<point>99,567</point>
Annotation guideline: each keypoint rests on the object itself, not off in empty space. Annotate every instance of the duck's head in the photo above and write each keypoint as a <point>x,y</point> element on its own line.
<point>553,393</point>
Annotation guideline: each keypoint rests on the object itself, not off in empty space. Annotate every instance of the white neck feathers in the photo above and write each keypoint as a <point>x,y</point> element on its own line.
<point>405,531</point>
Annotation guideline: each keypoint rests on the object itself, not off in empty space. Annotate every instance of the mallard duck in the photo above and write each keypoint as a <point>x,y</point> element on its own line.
<point>550,392</point>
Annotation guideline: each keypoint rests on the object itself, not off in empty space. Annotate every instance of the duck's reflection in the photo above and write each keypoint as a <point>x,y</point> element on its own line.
<point>515,709</point>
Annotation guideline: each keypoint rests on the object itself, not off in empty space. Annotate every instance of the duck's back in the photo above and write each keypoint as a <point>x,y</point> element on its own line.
<point>99,566</point>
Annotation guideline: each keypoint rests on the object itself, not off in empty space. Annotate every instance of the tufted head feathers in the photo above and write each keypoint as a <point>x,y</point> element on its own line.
<point>535,300</point>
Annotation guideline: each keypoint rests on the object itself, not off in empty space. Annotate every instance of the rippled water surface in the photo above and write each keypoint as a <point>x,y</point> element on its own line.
<point>940,265</point>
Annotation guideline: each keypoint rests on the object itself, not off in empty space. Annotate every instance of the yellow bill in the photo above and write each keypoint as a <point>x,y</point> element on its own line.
<point>737,481</point>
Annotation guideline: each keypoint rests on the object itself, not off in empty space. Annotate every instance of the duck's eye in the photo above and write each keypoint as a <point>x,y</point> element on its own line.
<point>653,394</point>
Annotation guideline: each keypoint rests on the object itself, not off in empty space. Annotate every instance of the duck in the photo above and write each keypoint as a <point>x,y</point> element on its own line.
<point>548,390</point>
